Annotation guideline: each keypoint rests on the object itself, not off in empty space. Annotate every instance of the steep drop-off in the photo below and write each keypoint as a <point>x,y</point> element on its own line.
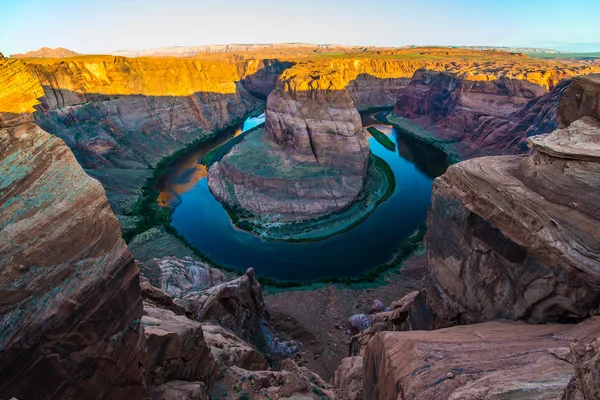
<point>70,303</point>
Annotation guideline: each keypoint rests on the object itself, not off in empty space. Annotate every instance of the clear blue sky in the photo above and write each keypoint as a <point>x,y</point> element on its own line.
<point>96,26</point>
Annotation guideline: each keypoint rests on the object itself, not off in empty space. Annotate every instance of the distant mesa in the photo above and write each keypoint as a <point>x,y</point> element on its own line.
<point>47,52</point>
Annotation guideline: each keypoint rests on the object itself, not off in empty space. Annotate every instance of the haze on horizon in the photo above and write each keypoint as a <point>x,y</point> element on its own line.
<point>100,26</point>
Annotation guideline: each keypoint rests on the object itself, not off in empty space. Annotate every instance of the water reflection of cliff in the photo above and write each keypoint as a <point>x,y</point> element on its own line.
<point>186,171</point>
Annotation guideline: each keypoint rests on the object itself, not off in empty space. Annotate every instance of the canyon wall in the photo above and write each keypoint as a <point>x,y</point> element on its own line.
<point>471,116</point>
<point>71,303</point>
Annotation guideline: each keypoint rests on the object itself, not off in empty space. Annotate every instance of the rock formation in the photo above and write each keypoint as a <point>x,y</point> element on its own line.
<point>237,305</point>
<point>71,302</point>
<point>178,277</point>
<point>492,360</point>
<point>517,237</point>
<point>473,117</point>
<point>176,348</point>
<point>311,159</point>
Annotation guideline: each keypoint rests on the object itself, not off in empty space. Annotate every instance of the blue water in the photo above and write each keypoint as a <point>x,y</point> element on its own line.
<point>205,224</point>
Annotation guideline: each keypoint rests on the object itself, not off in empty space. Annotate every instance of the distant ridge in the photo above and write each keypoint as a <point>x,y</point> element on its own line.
<point>47,52</point>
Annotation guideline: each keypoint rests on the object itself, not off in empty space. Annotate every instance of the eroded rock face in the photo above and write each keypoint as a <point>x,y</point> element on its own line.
<point>518,237</point>
<point>176,348</point>
<point>291,382</point>
<point>586,360</point>
<point>316,124</point>
<point>237,305</point>
<point>180,276</point>
<point>71,303</point>
<point>485,117</point>
<point>310,161</point>
<point>349,378</point>
<point>484,361</point>
<point>229,350</point>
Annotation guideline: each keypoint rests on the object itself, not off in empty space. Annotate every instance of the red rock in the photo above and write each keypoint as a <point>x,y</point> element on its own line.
<point>492,360</point>
<point>71,303</point>
<point>236,305</point>
<point>176,348</point>
<point>349,378</point>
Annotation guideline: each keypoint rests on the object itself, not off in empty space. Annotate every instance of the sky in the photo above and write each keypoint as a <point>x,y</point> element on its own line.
<point>97,26</point>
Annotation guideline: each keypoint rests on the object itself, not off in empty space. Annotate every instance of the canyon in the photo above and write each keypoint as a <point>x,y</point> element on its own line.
<point>509,301</point>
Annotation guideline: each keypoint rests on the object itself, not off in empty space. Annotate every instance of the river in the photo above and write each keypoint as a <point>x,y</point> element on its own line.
<point>201,219</point>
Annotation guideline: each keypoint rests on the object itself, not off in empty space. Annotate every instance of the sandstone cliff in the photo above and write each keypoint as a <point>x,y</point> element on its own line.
<point>311,159</point>
<point>473,117</point>
<point>71,303</point>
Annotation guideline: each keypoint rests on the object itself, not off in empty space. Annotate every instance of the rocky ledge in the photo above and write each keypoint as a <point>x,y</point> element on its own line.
<point>518,237</point>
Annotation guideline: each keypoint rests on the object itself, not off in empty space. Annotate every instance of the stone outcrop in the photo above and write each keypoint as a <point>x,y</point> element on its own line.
<point>517,237</point>
<point>291,382</point>
<point>70,303</point>
<point>180,390</point>
<point>348,378</point>
<point>492,360</point>
<point>180,276</point>
<point>237,305</point>
<point>310,161</point>
<point>229,350</point>
<point>176,348</point>
<point>586,383</point>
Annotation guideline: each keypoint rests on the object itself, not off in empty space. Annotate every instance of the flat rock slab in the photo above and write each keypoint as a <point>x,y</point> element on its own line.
<point>494,360</point>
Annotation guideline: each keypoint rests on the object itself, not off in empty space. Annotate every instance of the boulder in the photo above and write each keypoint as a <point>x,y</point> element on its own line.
<point>158,298</point>
<point>229,350</point>
<point>176,348</point>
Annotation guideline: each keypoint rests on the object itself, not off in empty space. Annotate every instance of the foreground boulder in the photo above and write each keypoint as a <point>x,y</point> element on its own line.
<point>70,295</point>
<point>494,360</point>
<point>176,348</point>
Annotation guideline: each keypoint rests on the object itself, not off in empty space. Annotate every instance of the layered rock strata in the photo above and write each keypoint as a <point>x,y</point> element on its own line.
<point>71,303</point>
<point>473,118</point>
<point>517,237</point>
<point>492,360</point>
<point>311,159</point>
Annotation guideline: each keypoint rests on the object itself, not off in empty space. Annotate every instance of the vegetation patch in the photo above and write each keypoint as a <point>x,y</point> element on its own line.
<point>382,138</point>
<point>405,126</point>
